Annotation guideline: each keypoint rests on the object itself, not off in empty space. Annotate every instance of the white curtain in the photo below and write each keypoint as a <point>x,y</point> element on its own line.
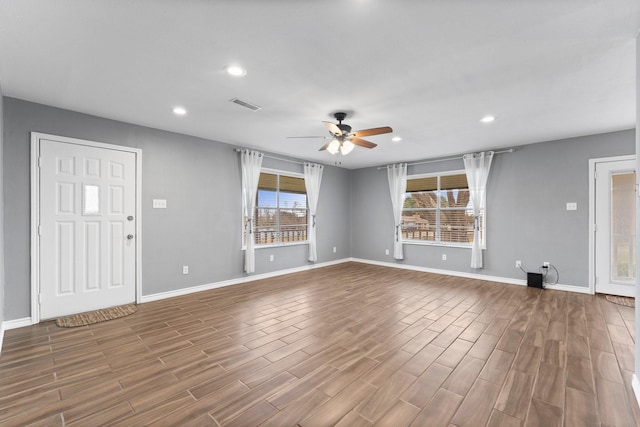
<point>397,175</point>
<point>251,162</point>
<point>312,179</point>
<point>477,168</point>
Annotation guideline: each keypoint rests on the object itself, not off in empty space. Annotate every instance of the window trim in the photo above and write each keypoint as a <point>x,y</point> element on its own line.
<point>277,244</point>
<point>447,244</point>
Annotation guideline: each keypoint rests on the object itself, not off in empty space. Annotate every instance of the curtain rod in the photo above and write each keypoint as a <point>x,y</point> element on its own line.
<point>444,159</point>
<point>237,150</point>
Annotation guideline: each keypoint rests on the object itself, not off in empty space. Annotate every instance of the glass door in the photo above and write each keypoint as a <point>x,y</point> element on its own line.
<point>615,236</point>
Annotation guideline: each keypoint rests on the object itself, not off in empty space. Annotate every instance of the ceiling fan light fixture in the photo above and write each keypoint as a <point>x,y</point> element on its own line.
<point>334,146</point>
<point>487,119</point>
<point>346,147</point>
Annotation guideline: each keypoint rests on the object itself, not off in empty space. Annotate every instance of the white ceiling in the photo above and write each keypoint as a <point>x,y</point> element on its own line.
<point>547,69</point>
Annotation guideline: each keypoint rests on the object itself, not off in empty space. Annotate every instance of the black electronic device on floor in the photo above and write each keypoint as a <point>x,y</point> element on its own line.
<point>534,280</point>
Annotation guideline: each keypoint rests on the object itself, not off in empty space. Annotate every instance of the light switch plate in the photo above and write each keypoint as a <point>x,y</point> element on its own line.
<point>572,206</point>
<point>159,203</point>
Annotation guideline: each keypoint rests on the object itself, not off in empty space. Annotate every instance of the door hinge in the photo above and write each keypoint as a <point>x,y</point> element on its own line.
<point>39,298</point>
<point>39,230</point>
<point>595,227</point>
<point>39,162</point>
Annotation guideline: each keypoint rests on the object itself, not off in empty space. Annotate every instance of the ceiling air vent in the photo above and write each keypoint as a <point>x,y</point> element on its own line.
<point>252,107</point>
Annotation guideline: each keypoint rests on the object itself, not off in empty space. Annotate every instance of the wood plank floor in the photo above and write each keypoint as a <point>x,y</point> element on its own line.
<point>346,345</point>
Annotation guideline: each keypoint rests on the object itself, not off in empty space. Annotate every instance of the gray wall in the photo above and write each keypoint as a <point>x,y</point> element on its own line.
<point>200,180</point>
<point>526,210</point>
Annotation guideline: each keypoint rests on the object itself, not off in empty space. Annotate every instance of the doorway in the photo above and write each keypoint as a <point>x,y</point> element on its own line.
<point>614,226</point>
<point>85,226</point>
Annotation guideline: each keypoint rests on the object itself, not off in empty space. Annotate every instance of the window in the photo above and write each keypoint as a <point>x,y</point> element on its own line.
<point>280,215</point>
<point>437,209</point>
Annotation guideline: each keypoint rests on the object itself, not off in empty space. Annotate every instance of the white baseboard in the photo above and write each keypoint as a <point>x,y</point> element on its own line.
<point>246,279</point>
<point>443,272</point>
<point>16,323</point>
<point>237,281</point>
<point>569,288</point>
<point>508,280</point>
<point>12,324</point>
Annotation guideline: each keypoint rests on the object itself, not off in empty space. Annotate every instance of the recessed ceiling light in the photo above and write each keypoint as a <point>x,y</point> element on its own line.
<point>487,119</point>
<point>179,111</point>
<point>236,71</point>
<point>396,139</point>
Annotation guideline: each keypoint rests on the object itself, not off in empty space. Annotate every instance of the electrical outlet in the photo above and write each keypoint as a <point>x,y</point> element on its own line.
<point>386,251</point>
<point>334,249</point>
<point>546,264</point>
<point>444,257</point>
<point>271,257</point>
<point>518,263</point>
<point>185,269</point>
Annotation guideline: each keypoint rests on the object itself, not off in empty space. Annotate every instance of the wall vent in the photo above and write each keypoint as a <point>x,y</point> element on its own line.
<point>250,106</point>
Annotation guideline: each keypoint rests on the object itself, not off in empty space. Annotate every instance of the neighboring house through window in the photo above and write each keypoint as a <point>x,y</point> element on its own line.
<point>437,210</point>
<point>280,215</point>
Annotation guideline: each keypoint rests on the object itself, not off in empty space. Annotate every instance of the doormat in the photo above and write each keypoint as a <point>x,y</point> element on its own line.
<point>629,302</point>
<point>97,316</point>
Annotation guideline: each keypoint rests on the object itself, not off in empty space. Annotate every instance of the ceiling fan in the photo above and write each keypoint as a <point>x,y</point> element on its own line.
<point>343,140</point>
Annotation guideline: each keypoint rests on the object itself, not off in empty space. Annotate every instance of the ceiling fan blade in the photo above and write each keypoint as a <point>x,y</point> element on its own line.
<point>362,142</point>
<point>372,131</point>
<point>333,128</point>
<point>324,147</point>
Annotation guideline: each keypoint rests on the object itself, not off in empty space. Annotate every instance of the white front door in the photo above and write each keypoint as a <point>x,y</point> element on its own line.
<point>87,225</point>
<point>615,231</point>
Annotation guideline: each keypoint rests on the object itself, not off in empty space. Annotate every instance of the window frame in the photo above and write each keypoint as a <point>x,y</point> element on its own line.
<point>276,244</point>
<point>438,209</point>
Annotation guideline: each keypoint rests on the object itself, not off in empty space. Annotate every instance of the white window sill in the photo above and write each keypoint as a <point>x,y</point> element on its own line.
<point>439,244</point>
<point>277,245</point>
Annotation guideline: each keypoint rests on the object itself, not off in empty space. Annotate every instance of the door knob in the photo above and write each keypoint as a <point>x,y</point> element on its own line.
<point>129,236</point>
